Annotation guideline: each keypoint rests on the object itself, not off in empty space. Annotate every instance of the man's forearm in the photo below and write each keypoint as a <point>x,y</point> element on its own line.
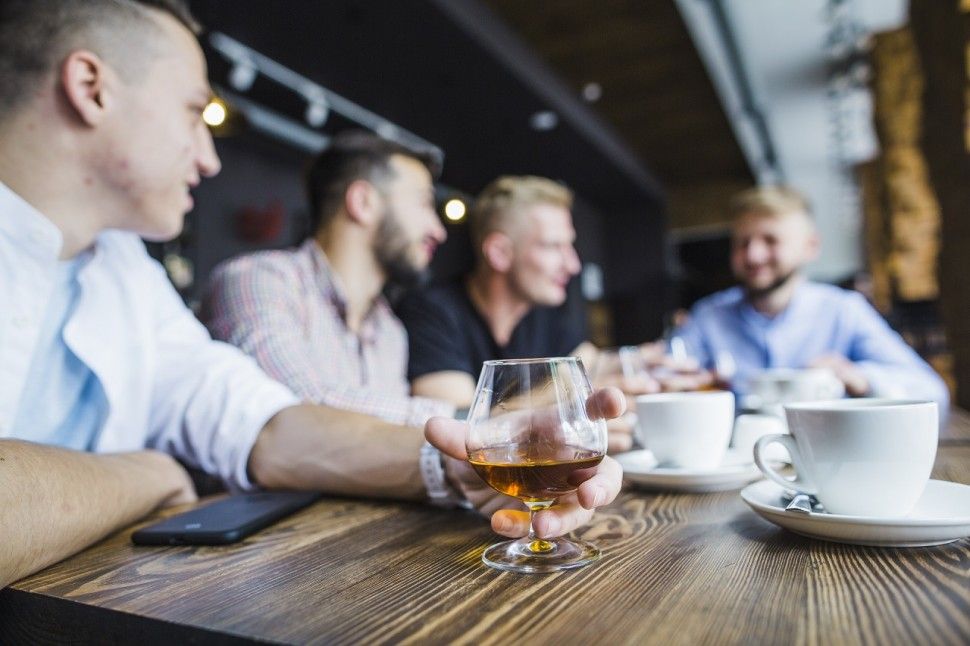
<point>339,452</point>
<point>55,502</point>
<point>453,386</point>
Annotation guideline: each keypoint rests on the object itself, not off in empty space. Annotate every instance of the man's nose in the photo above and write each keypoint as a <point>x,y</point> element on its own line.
<point>438,230</point>
<point>756,251</point>
<point>207,160</point>
<point>573,266</point>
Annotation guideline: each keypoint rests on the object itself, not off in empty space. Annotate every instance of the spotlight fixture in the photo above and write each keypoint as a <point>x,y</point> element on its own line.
<point>215,113</point>
<point>242,75</point>
<point>544,120</point>
<point>455,210</point>
<point>317,109</point>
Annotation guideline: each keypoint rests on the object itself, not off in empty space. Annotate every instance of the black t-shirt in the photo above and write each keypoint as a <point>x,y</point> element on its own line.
<point>446,332</point>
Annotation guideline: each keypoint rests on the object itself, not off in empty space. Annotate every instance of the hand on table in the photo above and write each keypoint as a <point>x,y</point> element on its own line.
<point>169,475</point>
<point>683,380</point>
<point>856,384</point>
<point>600,484</point>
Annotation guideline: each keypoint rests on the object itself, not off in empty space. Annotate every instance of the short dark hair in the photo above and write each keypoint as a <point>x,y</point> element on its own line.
<point>350,156</point>
<point>36,35</point>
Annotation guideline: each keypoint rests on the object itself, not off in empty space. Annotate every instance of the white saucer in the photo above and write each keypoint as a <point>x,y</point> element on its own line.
<point>737,470</point>
<point>942,515</point>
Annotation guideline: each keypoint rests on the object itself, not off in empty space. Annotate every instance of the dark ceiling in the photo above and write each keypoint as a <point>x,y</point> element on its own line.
<point>467,75</point>
<point>431,67</point>
<point>655,90</point>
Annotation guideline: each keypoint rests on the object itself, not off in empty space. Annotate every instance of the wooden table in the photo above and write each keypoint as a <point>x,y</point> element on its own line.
<point>689,569</point>
<point>957,427</point>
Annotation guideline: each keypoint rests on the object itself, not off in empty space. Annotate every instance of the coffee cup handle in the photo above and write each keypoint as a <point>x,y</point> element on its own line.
<point>799,483</point>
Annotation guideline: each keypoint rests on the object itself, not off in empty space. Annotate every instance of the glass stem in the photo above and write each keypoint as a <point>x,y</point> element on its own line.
<point>537,545</point>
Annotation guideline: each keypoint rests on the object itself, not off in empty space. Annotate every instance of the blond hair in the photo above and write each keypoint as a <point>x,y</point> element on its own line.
<point>504,201</point>
<point>777,201</point>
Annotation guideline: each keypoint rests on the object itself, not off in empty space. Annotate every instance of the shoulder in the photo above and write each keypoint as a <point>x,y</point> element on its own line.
<point>823,294</point>
<point>277,263</point>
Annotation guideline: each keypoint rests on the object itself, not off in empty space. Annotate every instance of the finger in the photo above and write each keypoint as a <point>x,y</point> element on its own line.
<point>560,519</point>
<point>606,404</point>
<point>511,522</point>
<point>497,502</point>
<point>603,487</point>
<point>448,436</point>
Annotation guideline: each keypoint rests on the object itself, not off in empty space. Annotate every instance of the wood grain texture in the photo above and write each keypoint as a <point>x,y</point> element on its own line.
<point>957,427</point>
<point>677,568</point>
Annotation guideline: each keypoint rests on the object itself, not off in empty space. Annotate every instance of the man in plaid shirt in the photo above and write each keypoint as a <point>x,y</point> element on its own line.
<point>314,317</point>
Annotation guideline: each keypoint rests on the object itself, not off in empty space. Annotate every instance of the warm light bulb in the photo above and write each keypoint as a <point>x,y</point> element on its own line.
<point>215,113</point>
<point>454,210</point>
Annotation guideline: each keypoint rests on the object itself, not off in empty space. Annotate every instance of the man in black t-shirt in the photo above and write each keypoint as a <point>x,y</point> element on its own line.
<point>510,306</point>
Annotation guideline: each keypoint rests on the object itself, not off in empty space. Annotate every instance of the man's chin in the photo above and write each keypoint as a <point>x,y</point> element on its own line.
<point>162,233</point>
<point>552,298</point>
<point>763,288</point>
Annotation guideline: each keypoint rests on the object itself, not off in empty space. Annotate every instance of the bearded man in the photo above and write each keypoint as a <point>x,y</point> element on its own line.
<point>777,318</point>
<point>314,317</point>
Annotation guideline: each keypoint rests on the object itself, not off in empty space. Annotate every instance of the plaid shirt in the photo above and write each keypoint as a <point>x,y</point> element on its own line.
<point>287,309</point>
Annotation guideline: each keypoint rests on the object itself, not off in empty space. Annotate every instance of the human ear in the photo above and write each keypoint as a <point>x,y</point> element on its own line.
<point>362,202</point>
<point>499,251</point>
<point>813,244</point>
<point>87,82</point>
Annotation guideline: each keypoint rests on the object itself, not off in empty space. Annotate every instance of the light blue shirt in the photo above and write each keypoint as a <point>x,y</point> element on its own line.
<point>167,384</point>
<point>821,319</point>
<point>62,401</point>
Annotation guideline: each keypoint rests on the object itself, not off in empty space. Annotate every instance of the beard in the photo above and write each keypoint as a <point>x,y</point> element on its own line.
<point>391,248</point>
<point>754,293</point>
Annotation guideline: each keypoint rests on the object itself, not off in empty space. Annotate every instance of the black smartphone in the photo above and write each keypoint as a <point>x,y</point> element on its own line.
<point>224,521</point>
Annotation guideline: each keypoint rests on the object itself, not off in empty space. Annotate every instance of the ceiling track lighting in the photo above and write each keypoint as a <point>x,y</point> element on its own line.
<point>247,64</point>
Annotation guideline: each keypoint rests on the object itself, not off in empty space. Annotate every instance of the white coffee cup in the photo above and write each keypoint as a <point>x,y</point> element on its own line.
<point>689,430</point>
<point>859,457</point>
<point>788,385</point>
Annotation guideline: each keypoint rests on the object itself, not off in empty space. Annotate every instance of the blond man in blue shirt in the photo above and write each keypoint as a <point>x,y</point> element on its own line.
<point>777,318</point>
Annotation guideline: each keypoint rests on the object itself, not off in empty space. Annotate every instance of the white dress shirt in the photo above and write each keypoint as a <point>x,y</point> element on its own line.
<point>168,384</point>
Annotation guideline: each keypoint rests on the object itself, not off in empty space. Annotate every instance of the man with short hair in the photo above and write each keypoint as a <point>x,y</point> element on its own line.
<point>522,234</point>
<point>314,317</point>
<point>777,318</point>
<point>509,306</point>
<point>103,140</point>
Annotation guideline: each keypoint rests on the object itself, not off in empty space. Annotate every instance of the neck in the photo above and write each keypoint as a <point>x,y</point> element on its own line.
<point>773,301</point>
<point>361,276</point>
<point>498,304</point>
<point>42,166</point>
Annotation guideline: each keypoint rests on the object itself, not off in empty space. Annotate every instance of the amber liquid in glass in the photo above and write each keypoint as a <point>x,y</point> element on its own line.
<point>530,472</point>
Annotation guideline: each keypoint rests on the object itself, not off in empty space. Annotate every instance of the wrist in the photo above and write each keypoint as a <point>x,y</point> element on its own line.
<point>157,470</point>
<point>440,491</point>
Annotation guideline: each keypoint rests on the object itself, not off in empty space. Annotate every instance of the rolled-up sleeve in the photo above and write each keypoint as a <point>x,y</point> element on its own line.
<point>892,368</point>
<point>210,401</point>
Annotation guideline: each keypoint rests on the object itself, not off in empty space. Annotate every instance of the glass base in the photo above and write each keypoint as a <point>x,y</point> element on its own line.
<point>530,556</point>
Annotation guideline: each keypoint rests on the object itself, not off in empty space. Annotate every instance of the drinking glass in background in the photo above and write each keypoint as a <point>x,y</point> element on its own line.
<point>529,435</point>
<point>614,366</point>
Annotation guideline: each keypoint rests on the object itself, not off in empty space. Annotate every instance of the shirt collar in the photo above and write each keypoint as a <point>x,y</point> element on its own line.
<point>333,291</point>
<point>753,316</point>
<point>24,224</point>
